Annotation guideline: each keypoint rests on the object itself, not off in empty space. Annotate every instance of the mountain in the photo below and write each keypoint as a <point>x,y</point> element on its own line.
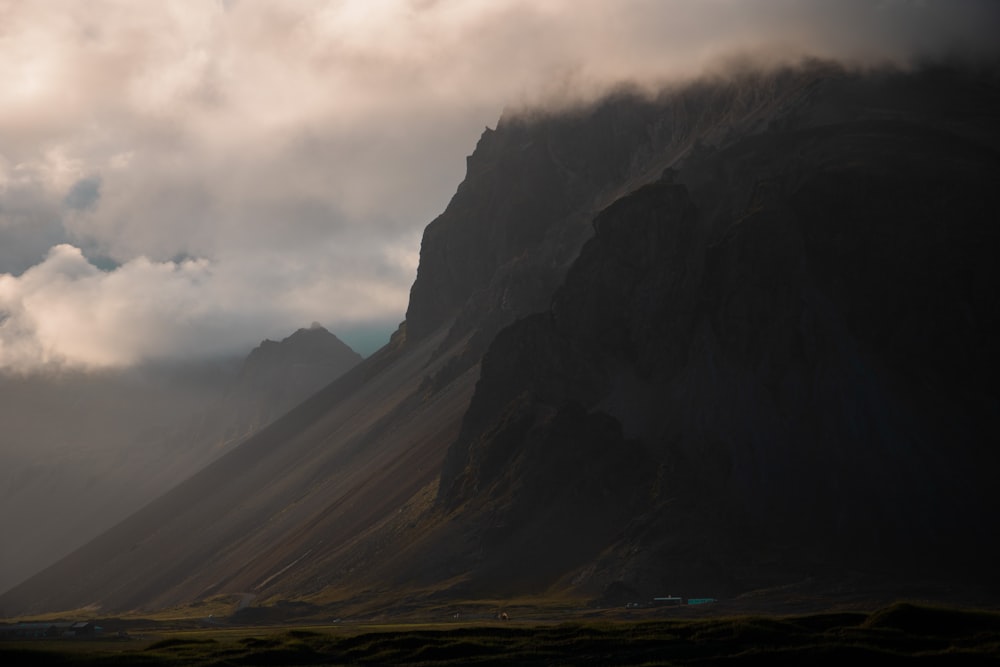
<point>83,450</point>
<point>776,360</point>
<point>731,337</point>
<point>277,376</point>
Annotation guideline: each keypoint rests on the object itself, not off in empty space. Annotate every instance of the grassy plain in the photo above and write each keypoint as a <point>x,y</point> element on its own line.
<point>902,632</point>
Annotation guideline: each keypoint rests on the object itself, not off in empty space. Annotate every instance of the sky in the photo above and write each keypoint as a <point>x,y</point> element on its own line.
<point>184,178</point>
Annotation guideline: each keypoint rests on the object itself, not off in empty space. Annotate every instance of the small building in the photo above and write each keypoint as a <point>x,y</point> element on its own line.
<point>667,601</point>
<point>84,629</point>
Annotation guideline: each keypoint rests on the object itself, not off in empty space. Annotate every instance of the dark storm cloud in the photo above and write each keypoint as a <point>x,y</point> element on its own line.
<point>84,194</point>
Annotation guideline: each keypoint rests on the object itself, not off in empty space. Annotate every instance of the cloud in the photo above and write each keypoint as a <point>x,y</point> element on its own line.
<point>302,147</point>
<point>66,311</point>
<point>84,194</point>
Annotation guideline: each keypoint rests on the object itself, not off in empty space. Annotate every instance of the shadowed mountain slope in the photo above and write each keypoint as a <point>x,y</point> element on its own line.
<point>776,361</point>
<point>82,451</point>
<point>729,337</point>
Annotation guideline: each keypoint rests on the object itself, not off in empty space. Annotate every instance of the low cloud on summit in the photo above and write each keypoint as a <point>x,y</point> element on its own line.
<point>185,178</point>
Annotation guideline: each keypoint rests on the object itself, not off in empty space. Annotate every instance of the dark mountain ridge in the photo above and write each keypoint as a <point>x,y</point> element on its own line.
<point>730,337</point>
<point>783,349</point>
<point>533,186</point>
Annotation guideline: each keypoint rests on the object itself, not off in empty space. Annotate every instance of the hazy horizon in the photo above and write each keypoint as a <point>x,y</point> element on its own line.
<point>189,179</point>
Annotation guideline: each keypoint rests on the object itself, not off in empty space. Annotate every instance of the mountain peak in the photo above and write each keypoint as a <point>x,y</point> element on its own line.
<point>313,345</point>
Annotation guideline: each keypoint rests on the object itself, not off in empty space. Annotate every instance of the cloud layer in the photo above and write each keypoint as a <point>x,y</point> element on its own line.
<point>187,177</point>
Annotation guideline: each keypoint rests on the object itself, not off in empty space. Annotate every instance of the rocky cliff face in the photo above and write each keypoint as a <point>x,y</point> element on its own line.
<point>775,361</point>
<point>533,186</point>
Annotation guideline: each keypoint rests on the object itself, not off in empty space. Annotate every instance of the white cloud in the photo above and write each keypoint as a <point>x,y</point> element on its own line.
<point>302,146</point>
<point>66,311</point>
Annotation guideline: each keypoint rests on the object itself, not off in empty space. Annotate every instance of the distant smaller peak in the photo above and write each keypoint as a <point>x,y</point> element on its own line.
<point>312,345</point>
<point>313,330</point>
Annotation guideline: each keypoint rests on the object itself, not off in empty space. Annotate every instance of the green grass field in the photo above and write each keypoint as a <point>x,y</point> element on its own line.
<point>901,632</point>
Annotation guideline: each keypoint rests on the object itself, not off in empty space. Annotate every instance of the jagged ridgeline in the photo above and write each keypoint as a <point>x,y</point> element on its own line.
<point>724,338</point>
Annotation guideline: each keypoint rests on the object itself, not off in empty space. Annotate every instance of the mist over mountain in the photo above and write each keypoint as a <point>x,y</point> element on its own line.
<point>730,337</point>
<point>84,450</point>
<point>179,180</point>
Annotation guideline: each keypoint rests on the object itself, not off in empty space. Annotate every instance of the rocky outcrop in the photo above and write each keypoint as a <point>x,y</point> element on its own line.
<point>780,354</point>
<point>533,185</point>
